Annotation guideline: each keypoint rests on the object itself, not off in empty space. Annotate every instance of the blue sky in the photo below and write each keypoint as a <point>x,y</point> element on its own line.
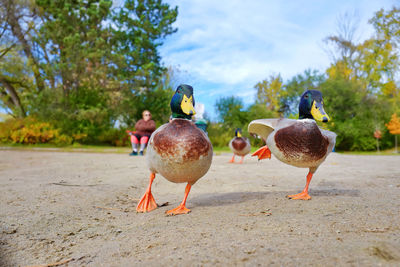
<point>224,47</point>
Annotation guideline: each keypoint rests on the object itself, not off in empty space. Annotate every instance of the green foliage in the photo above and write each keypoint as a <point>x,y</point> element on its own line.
<point>231,116</point>
<point>31,131</point>
<point>84,113</point>
<point>258,111</point>
<point>140,26</point>
<point>268,92</point>
<point>355,113</point>
<point>231,113</point>
<point>156,101</point>
<point>82,65</point>
<point>114,137</point>
<point>360,91</point>
<point>291,91</point>
<point>218,134</point>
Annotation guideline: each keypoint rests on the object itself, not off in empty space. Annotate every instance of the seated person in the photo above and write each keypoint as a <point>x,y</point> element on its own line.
<point>144,128</point>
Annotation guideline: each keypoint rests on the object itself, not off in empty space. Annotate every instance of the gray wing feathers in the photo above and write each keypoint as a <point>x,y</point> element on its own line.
<point>262,127</point>
<point>331,137</point>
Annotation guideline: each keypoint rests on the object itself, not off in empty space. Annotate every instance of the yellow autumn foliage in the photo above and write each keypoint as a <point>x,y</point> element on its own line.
<point>340,69</point>
<point>31,131</point>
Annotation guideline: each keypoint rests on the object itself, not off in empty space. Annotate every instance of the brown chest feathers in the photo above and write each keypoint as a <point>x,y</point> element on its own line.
<point>301,140</point>
<point>181,138</point>
<point>239,143</point>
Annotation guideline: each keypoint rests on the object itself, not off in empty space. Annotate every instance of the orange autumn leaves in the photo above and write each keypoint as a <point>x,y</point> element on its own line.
<point>394,125</point>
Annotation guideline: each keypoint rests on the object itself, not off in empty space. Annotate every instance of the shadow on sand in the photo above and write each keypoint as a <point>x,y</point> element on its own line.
<point>223,199</point>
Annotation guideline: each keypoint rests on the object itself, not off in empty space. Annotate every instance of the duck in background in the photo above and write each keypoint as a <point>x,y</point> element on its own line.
<point>299,143</point>
<point>239,146</point>
<point>178,150</point>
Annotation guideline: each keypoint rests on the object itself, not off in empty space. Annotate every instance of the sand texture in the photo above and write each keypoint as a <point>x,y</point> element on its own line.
<point>78,209</point>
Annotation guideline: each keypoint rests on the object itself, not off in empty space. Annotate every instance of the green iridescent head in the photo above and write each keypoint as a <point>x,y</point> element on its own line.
<point>312,106</point>
<point>182,103</point>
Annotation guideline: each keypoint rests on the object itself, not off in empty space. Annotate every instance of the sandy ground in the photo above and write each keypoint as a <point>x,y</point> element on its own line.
<point>78,209</point>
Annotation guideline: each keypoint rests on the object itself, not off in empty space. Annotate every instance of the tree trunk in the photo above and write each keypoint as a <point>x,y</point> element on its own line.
<point>15,100</point>
<point>377,145</point>
<point>18,33</point>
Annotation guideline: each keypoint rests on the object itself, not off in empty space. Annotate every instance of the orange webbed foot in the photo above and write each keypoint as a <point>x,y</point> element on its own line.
<point>301,196</point>
<point>262,153</point>
<point>181,209</point>
<point>147,203</point>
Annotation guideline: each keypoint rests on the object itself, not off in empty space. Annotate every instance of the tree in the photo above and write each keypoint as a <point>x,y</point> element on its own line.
<point>374,61</point>
<point>18,25</point>
<point>387,26</point>
<point>268,92</point>
<point>15,83</point>
<point>18,63</point>
<point>140,27</point>
<point>343,41</point>
<point>231,112</point>
<point>394,127</point>
<point>361,84</point>
<point>290,95</point>
<point>83,59</point>
<point>231,115</point>
<point>355,114</point>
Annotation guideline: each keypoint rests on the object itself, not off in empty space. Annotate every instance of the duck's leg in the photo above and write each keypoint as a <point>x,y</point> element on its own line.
<point>262,153</point>
<point>241,160</point>
<point>181,209</point>
<point>304,194</point>
<point>232,159</point>
<point>147,202</point>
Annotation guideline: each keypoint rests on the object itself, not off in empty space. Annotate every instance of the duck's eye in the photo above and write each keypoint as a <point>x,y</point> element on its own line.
<point>306,96</point>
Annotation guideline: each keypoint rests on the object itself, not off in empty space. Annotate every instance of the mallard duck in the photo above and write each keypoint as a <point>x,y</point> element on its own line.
<point>301,142</point>
<point>239,145</point>
<point>178,150</point>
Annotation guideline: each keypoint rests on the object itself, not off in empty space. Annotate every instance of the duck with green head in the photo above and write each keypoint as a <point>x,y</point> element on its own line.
<point>301,142</point>
<point>178,150</point>
<point>239,146</point>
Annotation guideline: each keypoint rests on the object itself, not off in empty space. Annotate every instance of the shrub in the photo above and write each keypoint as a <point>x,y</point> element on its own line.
<point>219,136</point>
<point>31,131</point>
<point>115,137</point>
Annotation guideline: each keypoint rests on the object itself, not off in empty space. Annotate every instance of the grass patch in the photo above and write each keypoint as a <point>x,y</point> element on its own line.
<point>70,148</point>
<point>388,152</point>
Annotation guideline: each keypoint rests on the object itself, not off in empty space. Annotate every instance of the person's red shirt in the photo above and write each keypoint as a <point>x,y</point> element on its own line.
<point>143,127</point>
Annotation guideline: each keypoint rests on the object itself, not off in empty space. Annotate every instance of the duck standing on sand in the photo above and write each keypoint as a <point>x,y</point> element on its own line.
<point>301,142</point>
<point>178,150</point>
<point>239,145</point>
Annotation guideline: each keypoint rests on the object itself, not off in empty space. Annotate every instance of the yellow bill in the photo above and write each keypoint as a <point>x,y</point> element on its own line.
<point>318,112</point>
<point>187,105</point>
